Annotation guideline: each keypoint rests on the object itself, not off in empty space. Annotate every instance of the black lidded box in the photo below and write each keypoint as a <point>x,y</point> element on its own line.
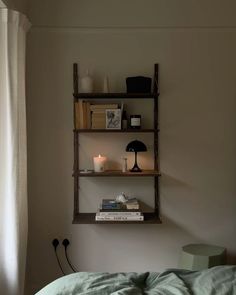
<point>138,84</point>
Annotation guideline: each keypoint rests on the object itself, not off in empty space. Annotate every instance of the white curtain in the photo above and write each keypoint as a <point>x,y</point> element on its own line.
<point>13,166</point>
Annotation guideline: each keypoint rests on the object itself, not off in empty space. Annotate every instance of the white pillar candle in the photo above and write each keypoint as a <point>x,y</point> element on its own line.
<point>99,163</point>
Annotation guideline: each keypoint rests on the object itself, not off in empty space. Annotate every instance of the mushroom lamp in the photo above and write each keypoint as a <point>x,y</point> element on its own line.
<point>136,146</point>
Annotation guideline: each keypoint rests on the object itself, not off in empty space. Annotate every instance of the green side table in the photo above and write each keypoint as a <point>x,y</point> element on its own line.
<point>201,256</point>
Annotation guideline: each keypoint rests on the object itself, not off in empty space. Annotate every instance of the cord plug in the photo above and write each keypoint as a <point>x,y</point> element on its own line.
<point>65,243</point>
<point>55,243</point>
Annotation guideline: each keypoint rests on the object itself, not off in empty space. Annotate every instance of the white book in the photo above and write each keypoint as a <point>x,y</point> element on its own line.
<point>118,218</point>
<point>119,213</point>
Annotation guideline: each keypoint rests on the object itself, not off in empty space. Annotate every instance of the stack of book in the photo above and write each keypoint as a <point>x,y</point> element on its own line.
<point>91,116</point>
<point>98,111</point>
<point>110,210</point>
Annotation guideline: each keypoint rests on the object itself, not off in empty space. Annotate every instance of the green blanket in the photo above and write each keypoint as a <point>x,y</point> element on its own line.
<point>219,280</point>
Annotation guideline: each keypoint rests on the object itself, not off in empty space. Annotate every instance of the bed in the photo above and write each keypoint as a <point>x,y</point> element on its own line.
<point>219,280</point>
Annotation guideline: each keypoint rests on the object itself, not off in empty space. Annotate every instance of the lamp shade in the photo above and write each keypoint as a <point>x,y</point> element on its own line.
<point>136,146</point>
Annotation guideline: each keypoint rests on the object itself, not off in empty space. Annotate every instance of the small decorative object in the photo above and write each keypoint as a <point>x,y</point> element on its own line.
<point>136,146</point>
<point>135,121</point>
<point>121,198</point>
<point>99,163</point>
<point>124,120</point>
<point>105,85</point>
<point>124,165</point>
<point>113,119</point>
<point>86,83</point>
<point>138,84</point>
<point>86,171</point>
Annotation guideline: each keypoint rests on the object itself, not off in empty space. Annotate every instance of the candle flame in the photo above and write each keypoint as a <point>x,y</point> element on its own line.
<point>99,156</point>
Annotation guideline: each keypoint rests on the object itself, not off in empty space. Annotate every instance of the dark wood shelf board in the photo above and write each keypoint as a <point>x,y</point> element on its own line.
<point>119,173</point>
<point>114,95</point>
<point>89,218</point>
<point>116,131</point>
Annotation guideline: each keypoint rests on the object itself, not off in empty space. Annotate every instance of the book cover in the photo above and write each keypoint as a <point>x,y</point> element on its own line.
<point>110,204</point>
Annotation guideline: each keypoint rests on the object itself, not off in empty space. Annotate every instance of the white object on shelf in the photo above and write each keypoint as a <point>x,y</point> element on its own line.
<point>86,84</point>
<point>124,165</point>
<point>99,163</point>
<point>121,198</point>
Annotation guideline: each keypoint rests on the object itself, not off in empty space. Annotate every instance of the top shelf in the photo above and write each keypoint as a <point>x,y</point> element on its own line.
<point>115,95</point>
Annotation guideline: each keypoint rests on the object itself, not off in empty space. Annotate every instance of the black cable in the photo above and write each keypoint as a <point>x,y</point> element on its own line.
<point>66,243</point>
<point>55,244</point>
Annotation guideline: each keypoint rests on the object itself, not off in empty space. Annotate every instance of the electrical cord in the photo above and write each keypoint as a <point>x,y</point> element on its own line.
<point>66,243</point>
<point>55,244</point>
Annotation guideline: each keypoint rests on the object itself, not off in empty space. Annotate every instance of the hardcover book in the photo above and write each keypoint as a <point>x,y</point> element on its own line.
<point>118,218</point>
<point>120,213</point>
<point>110,204</point>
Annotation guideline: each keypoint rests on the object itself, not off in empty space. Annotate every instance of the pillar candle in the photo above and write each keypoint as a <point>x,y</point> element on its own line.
<point>99,163</point>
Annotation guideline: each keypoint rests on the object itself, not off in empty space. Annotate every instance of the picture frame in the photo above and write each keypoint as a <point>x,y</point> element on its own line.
<point>113,119</point>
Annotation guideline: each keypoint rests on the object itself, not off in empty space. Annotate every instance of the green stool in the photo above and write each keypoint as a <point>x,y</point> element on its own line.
<point>200,256</point>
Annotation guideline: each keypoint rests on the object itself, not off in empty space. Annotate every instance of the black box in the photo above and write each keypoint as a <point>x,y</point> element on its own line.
<point>138,84</point>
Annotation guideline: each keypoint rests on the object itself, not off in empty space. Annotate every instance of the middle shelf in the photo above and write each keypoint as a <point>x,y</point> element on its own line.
<point>117,173</point>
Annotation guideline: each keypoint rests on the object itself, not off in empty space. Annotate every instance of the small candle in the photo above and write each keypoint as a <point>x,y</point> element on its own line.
<point>99,163</point>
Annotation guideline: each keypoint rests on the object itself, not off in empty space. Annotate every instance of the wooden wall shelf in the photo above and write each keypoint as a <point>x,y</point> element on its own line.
<point>89,218</point>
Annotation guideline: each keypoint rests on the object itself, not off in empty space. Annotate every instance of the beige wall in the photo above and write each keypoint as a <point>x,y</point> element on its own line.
<point>197,139</point>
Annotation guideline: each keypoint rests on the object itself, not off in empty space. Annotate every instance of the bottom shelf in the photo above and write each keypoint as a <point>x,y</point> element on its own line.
<point>89,218</point>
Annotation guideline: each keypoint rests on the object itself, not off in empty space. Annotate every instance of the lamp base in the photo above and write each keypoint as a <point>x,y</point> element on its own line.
<point>136,168</point>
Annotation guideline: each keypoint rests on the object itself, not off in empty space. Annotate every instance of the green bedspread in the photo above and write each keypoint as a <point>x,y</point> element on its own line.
<point>219,280</point>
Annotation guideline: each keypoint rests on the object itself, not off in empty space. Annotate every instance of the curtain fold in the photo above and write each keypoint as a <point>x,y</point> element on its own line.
<point>13,153</point>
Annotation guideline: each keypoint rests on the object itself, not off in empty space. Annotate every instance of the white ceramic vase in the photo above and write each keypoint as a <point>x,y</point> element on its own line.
<point>86,84</point>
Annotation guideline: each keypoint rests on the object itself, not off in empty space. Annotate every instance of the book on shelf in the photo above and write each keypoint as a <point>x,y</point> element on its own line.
<point>132,204</point>
<point>82,115</point>
<point>110,204</point>
<point>100,217</point>
<point>118,210</point>
<point>98,120</point>
<point>119,213</point>
<point>103,107</point>
<point>91,116</point>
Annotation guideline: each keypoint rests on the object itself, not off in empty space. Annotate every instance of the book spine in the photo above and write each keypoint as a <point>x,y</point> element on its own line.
<point>95,107</point>
<point>132,207</point>
<point>107,207</point>
<point>119,218</point>
<point>81,117</point>
<point>88,115</point>
<point>120,213</point>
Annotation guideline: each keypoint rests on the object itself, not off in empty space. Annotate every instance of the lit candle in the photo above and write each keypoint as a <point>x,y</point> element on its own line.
<point>99,163</point>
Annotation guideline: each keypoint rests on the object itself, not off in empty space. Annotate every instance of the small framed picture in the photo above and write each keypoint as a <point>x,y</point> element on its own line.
<point>113,119</point>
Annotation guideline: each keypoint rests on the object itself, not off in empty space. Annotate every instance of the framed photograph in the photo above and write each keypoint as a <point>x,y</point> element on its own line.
<point>113,119</point>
